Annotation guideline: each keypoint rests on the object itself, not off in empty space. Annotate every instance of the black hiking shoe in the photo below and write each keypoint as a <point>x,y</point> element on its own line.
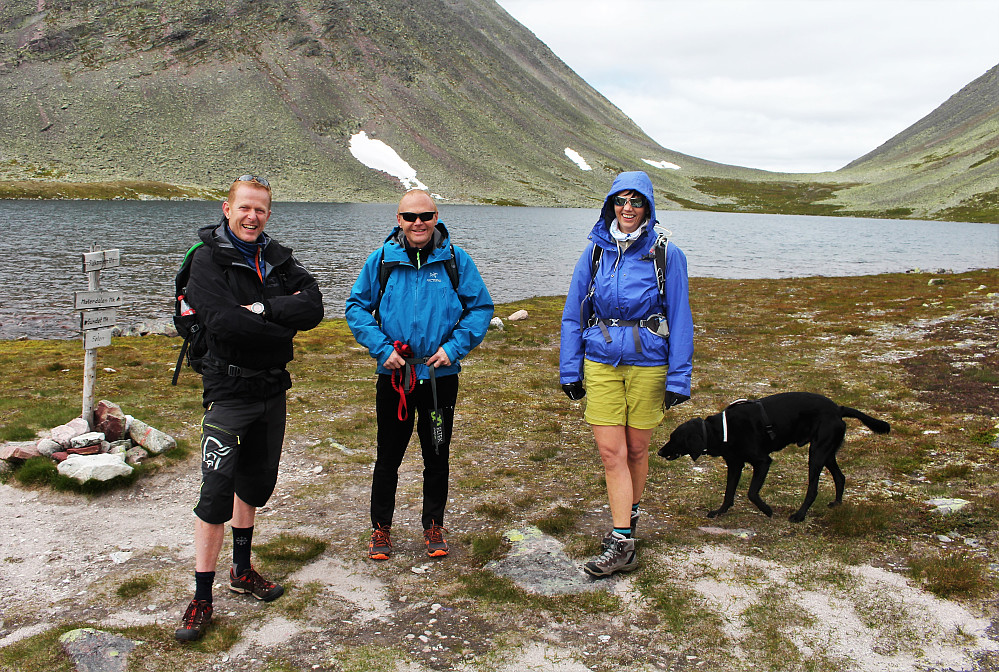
<point>251,582</point>
<point>195,621</point>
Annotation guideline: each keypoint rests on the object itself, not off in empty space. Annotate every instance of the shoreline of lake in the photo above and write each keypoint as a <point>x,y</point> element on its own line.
<point>520,252</point>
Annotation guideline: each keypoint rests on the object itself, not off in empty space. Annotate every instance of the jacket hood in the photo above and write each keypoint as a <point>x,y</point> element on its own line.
<point>635,180</point>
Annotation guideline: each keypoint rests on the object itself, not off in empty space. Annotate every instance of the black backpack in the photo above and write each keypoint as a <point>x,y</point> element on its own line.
<point>385,269</point>
<point>186,320</point>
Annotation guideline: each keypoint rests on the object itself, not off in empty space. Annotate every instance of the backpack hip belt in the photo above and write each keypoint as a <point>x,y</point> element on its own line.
<point>216,365</point>
<point>654,323</point>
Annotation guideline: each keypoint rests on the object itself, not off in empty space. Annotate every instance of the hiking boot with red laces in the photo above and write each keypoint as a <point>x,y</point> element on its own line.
<point>436,546</point>
<point>251,582</point>
<point>195,621</point>
<point>380,546</point>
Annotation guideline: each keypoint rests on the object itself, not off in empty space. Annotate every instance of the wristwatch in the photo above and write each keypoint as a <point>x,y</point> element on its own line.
<point>257,308</point>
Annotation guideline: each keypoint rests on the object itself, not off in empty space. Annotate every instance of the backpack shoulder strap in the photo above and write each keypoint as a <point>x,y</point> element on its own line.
<point>385,269</point>
<point>659,255</point>
<point>451,265</point>
<point>584,315</point>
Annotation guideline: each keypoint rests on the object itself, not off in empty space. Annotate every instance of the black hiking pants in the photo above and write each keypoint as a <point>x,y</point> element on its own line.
<point>393,439</point>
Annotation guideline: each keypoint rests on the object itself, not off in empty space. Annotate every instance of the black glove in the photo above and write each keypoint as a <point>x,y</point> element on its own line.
<point>574,390</point>
<point>671,399</point>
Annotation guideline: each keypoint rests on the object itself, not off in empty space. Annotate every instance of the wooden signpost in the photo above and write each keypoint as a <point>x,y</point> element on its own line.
<point>96,319</point>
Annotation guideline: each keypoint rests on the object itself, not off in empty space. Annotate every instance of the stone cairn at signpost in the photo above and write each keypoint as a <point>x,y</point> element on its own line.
<point>103,442</point>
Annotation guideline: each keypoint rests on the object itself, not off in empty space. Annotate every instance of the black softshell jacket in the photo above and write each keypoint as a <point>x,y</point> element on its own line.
<point>221,283</point>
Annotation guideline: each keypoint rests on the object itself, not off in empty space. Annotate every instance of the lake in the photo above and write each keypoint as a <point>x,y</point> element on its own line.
<point>521,252</point>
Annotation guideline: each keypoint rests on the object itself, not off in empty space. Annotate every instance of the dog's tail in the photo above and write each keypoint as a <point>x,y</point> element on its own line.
<point>875,425</point>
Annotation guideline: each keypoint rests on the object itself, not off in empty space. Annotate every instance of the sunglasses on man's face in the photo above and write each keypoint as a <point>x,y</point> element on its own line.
<point>253,178</point>
<point>636,201</point>
<point>411,216</point>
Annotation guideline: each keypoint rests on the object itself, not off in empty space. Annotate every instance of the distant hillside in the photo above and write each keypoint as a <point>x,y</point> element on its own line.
<point>172,99</point>
<point>950,157</point>
<point>192,93</point>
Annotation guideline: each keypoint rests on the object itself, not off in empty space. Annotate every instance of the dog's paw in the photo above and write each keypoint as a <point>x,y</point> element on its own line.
<point>796,517</point>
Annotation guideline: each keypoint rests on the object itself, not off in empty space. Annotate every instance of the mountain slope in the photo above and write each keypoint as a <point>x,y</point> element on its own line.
<point>174,98</point>
<point>196,92</point>
<point>947,159</point>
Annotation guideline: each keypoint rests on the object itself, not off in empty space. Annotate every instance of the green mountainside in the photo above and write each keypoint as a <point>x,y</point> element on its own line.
<point>949,158</point>
<point>173,99</point>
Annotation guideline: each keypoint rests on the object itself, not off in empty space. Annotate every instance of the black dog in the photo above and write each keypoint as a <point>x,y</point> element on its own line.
<point>749,431</point>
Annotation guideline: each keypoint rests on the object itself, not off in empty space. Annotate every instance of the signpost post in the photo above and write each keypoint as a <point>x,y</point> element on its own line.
<point>97,319</point>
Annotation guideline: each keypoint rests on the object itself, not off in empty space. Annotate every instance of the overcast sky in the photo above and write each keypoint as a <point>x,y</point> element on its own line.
<point>782,85</point>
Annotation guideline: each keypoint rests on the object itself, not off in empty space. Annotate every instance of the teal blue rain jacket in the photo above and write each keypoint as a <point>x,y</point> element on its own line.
<point>625,288</point>
<point>420,307</point>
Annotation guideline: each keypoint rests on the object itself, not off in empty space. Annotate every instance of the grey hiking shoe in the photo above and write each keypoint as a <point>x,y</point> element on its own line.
<point>619,555</point>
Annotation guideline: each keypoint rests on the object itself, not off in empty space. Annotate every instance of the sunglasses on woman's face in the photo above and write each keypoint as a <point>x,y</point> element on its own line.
<point>411,216</point>
<point>636,201</point>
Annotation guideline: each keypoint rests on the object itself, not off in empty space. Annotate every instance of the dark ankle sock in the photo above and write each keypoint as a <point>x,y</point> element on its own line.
<point>624,532</point>
<point>203,585</point>
<point>241,540</point>
<point>634,507</point>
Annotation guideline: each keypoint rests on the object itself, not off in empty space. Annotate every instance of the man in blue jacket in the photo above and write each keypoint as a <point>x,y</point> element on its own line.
<point>627,345</point>
<point>419,306</point>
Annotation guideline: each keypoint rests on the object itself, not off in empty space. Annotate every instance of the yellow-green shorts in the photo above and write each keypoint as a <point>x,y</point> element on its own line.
<point>624,395</point>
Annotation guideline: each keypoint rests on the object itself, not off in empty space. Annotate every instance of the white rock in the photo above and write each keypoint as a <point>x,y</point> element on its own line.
<point>518,316</point>
<point>102,467</point>
<point>496,323</point>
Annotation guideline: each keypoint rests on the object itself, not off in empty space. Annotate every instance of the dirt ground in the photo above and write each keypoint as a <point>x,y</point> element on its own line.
<point>61,554</point>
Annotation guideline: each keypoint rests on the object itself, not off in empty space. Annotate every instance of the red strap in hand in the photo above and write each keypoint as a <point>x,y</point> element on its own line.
<point>398,377</point>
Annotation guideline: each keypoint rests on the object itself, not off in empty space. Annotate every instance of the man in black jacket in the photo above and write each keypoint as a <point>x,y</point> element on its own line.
<point>251,297</point>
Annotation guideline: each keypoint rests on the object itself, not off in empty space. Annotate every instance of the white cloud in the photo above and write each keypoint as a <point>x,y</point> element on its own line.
<point>577,159</point>
<point>379,156</point>
<point>786,85</point>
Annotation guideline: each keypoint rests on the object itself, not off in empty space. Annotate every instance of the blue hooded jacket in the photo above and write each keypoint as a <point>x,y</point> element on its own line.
<point>625,288</point>
<point>419,306</point>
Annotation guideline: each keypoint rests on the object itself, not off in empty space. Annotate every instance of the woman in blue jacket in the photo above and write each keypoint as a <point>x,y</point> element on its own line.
<point>419,306</point>
<point>627,341</point>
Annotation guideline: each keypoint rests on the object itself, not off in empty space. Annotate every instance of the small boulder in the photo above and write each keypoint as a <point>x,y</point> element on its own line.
<point>150,438</point>
<point>91,649</point>
<point>120,446</point>
<point>110,419</point>
<point>518,316</point>
<point>86,440</point>
<point>47,447</point>
<point>85,468</point>
<point>19,450</point>
<point>63,433</point>
<point>136,455</point>
<point>60,455</point>
<point>496,323</point>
